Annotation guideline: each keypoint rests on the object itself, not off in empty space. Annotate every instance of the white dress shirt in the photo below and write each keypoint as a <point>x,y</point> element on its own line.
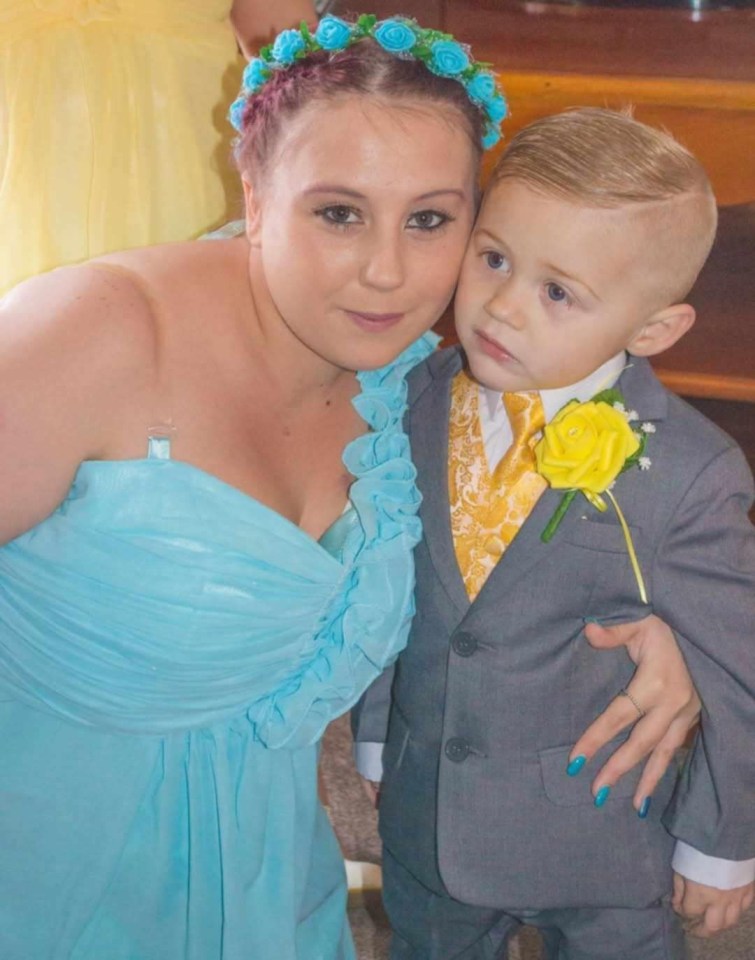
<point>497,437</point>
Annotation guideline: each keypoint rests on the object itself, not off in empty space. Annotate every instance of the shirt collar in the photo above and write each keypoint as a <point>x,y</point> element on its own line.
<point>601,379</point>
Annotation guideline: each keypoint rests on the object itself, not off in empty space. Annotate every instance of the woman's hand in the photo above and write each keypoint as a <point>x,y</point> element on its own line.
<point>661,688</point>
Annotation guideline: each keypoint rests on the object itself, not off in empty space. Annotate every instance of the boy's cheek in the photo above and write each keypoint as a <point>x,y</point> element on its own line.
<point>464,309</point>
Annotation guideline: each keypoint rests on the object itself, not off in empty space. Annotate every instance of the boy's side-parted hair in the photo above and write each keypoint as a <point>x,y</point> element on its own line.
<point>605,158</point>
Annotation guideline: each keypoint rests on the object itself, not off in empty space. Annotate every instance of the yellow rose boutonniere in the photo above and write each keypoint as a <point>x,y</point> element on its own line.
<point>584,449</point>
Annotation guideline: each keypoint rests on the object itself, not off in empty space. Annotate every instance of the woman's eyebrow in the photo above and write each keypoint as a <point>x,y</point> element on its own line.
<point>443,191</point>
<point>348,192</point>
<point>334,188</point>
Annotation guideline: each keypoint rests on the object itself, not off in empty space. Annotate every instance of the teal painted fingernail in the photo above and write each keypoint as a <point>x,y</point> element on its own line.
<point>644,808</point>
<point>601,796</point>
<point>576,765</point>
<point>590,619</point>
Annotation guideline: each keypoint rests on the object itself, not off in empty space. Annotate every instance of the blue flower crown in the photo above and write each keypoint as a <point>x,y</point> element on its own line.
<point>400,36</point>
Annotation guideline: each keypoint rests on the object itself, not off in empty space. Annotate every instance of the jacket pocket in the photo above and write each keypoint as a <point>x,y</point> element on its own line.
<point>566,791</point>
<point>396,744</point>
<point>604,537</point>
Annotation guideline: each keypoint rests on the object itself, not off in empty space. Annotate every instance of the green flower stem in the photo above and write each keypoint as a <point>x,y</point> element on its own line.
<point>558,516</point>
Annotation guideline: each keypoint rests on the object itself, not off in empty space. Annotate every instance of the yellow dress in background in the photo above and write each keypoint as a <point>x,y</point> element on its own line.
<point>112,127</point>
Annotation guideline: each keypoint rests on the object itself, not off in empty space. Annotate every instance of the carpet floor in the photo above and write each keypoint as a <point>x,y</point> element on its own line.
<point>356,825</point>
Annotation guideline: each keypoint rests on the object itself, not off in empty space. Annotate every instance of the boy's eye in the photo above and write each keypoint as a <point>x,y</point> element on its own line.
<point>428,220</point>
<point>556,293</point>
<point>339,214</point>
<point>496,260</point>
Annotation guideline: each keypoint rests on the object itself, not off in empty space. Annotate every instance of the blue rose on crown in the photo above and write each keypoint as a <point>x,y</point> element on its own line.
<point>399,36</point>
<point>286,47</point>
<point>333,34</point>
<point>395,36</point>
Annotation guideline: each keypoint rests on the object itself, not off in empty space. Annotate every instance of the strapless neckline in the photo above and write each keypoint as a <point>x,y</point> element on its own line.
<point>245,500</point>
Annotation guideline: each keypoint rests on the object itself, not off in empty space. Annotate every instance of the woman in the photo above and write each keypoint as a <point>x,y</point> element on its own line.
<point>95,98</point>
<point>208,515</point>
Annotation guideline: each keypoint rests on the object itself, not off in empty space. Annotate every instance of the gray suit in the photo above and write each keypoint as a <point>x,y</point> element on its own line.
<point>488,697</point>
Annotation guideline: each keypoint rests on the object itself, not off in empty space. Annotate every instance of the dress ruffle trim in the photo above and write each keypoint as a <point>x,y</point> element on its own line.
<point>367,623</point>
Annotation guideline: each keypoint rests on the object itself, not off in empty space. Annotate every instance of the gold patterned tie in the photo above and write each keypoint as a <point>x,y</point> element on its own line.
<point>487,509</point>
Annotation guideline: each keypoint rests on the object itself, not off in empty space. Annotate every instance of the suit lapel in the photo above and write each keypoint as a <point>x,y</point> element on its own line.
<point>527,549</point>
<point>643,391</point>
<point>429,441</point>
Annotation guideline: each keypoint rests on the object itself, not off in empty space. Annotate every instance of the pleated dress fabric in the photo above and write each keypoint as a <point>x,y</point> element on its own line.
<point>171,651</point>
<point>112,127</point>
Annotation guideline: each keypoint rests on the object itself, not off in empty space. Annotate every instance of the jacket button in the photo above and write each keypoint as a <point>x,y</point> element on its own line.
<point>465,644</point>
<point>457,749</point>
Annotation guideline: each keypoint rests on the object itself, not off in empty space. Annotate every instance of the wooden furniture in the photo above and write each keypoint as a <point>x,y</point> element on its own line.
<point>716,360</point>
<point>692,73</point>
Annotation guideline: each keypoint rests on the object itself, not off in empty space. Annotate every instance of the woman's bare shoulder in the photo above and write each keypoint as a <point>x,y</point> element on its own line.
<point>81,356</point>
<point>89,309</point>
<point>194,262</point>
<point>77,346</point>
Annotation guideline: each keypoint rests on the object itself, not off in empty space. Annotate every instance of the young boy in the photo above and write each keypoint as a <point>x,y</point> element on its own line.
<point>590,235</point>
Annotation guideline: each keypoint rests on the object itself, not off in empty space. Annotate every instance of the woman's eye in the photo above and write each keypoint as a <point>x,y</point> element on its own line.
<point>428,220</point>
<point>496,260</point>
<point>556,293</point>
<point>339,214</point>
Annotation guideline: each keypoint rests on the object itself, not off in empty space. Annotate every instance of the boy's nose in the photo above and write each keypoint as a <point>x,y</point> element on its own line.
<point>504,307</point>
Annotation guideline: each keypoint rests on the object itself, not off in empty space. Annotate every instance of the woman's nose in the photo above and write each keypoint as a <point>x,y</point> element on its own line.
<point>384,266</point>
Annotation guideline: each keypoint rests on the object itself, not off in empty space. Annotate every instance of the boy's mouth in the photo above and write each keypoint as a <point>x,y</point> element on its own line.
<point>493,348</point>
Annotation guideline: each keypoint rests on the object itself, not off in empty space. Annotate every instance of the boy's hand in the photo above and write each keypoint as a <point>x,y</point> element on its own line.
<point>709,909</point>
<point>372,789</point>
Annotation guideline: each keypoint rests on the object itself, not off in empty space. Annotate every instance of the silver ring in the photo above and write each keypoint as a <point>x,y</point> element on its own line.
<point>630,698</point>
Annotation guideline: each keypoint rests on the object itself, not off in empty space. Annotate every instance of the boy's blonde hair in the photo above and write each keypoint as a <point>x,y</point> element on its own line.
<point>605,158</point>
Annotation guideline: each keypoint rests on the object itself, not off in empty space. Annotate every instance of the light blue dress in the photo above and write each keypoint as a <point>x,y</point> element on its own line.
<point>170,653</point>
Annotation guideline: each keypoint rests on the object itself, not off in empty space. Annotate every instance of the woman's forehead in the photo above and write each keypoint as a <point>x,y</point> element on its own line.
<point>368,136</point>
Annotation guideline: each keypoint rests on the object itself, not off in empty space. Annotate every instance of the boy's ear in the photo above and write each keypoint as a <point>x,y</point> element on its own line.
<point>253,210</point>
<point>662,330</point>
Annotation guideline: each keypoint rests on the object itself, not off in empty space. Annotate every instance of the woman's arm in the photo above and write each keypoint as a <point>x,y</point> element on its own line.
<point>257,21</point>
<point>661,684</point>
<point>75,348</point>
<point>661,687</point>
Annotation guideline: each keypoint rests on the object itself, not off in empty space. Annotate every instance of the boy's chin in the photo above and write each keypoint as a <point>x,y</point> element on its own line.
<point>496,379</point>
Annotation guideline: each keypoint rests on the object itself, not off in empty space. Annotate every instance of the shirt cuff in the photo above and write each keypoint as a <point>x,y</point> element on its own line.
<point>712,871</point>
<point>368,758</point>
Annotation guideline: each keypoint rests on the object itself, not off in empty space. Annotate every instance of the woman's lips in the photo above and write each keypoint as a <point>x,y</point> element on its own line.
<point>374,321</point>
<point>494,349</point>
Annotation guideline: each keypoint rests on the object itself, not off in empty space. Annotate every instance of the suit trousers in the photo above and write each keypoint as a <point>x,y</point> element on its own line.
<point>427,926</point>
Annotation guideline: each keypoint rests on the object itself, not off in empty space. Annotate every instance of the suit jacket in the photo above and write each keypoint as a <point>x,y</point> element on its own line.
<point>489,697</point>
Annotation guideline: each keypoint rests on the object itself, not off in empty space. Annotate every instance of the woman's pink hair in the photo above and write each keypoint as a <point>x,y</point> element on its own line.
<point>364,69</point>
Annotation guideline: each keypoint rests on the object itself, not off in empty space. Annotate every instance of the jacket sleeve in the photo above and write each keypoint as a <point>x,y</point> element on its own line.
<point>703,585</point>
<point>369,717</point>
